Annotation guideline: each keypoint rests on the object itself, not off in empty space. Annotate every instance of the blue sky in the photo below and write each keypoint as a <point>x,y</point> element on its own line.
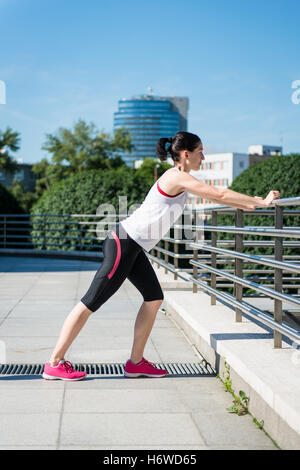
<point>235,60</point>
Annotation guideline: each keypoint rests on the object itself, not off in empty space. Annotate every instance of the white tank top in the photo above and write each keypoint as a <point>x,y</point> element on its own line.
<point>151,221</point>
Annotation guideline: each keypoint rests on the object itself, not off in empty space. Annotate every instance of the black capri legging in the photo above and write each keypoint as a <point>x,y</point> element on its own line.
<point>123,258</point>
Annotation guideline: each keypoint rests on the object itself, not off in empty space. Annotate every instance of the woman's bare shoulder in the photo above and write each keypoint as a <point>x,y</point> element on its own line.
<point>169,182</point>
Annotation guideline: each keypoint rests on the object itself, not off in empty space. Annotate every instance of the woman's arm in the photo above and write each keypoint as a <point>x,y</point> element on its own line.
<point>224,196</point>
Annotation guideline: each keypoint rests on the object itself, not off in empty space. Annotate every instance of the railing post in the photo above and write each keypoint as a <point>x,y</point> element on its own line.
<point>44,233</point>
<point>197,214</point>
<point>4,232</point>
<point>213,257</point>
<point>158,256</point>
<point>238,264</point>
<point>278,275</point>
<point>81,237</point>
<point>27,231</point>
<point>176,246</point>
<point>166,255</point>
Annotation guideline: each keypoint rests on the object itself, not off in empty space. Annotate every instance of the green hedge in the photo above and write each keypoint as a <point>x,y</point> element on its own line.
<point>82,194</point>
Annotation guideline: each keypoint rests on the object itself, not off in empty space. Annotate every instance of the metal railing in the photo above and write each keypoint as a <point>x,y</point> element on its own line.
<point>51,231</point>
<point>280,264</point>
<point>206,263</point>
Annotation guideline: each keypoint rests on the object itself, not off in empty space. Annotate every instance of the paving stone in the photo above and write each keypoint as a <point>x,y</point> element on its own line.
<point>143,447</point>
<point>26,401</point>
<point>28,447</point>
<point>120,401</point>
<point>158,429</point>
<point>224,428</point>
<point>24,327</point>
<point>29,349</point>
<point>29,382</point>
<point>29,429</point>
<point>123,383</point>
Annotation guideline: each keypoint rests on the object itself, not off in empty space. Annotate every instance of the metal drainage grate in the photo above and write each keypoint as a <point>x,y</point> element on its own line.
<point>190,369</point>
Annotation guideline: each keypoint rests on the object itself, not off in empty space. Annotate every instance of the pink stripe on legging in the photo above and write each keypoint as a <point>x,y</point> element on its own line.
<point>118,257</point>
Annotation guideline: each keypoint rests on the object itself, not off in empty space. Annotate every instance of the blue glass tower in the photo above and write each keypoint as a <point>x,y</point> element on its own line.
<point>148,118</point>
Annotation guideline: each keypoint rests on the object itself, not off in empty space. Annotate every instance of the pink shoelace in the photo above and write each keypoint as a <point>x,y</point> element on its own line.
<point>144,361</point>
<point>68,367</point>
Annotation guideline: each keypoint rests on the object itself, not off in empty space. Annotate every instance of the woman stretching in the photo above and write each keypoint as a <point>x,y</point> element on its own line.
<point>125,258</point>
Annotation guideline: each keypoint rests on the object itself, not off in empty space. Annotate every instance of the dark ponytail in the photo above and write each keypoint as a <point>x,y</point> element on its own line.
<point>161,150</point>
<point>180,141</point>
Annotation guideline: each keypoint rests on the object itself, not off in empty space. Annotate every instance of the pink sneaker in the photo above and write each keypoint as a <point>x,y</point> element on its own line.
<point>63,371</point>
<point>143,367</point>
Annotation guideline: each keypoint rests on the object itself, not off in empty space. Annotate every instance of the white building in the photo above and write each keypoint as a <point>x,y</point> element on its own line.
<point>268,150</point>
<point>219,169</point>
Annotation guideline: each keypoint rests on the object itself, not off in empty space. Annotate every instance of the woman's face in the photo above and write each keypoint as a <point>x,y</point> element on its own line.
<point>196,157</point>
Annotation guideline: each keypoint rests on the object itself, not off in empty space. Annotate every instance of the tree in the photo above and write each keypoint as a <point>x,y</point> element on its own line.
<point>9,140</point>
<point>44,173</point>
<point>146,170</point>
<point>83,148</point>
<point>25,198</point>
<point>20,199</point>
